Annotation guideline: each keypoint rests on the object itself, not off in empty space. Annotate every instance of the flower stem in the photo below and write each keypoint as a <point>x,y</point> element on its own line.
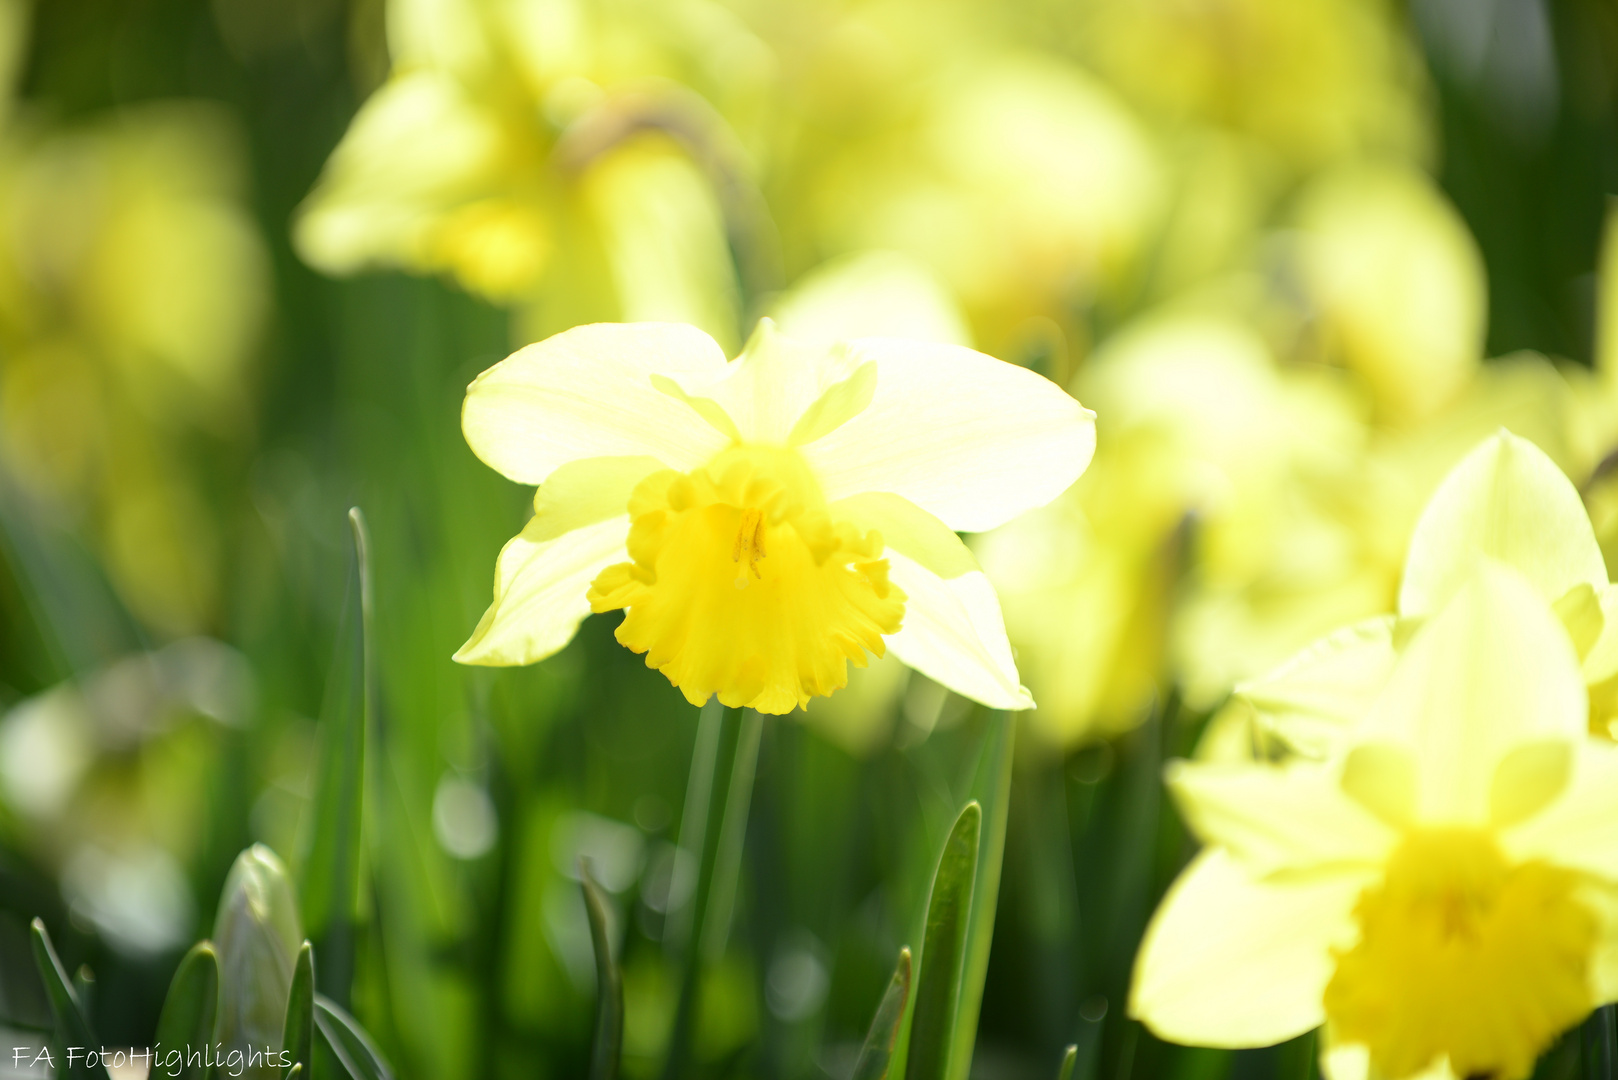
<point>713,827</point>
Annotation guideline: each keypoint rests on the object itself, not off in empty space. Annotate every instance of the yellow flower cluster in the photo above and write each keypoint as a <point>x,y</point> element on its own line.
<point>1409,826</point>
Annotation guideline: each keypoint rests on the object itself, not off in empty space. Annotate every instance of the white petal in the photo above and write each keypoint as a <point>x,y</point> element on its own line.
<point>1231,962</point>
<point>1509,502</point>
<point>953,633</point>
<point>784,391</point>
<point>1313,701</point>
<point>589,392</point>
<point>1274,817</point>
<point>970,439</point>
<point>539,592</point>
<point>1493,671</point>
<point>1579,829</point>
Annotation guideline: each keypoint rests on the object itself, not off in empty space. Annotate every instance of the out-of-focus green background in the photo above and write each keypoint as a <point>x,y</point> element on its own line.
<point>1298,254</point>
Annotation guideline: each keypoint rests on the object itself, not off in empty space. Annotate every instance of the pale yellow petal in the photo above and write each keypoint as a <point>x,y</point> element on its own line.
<point>418,147</point>
<point>1578,829</point>
<point>970,439</point>
<point>1313,701</point>
<point>1352,1061</point>
<point>954,634</point>
<point>1231,962</point>
<point>1273,818</point>
<point>1492,671</point>
<point>589,392</point>
<point>781,390</point>
<point>1505,501</point>
<point>539,592</point>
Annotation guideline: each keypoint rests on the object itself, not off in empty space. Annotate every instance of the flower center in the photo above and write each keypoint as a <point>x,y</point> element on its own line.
<point>742,584</point>
<point>1463,956</point>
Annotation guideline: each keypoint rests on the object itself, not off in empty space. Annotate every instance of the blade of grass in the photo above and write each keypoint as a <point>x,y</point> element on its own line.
<point>877,1052</point>
<point>190,1010</point>
<point>938,985</point>
<point>298,1039</point>
<point>609,1038</point>
<point>1070,1057</point>
<point>345,1044</point>
<point>333,846</point>
<point>72,1026</point>
<point>991,788</point>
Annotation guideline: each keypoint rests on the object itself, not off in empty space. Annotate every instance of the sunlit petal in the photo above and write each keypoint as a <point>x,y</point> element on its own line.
<point>590,392</point>
<point>1228,961</point>
<point>968,438</point>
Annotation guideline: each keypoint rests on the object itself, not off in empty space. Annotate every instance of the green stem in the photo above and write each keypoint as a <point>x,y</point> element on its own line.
<point>712,828</point>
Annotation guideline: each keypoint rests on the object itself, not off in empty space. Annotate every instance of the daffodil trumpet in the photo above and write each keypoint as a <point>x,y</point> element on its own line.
<point>1440,890</point>
<point>767,521</point>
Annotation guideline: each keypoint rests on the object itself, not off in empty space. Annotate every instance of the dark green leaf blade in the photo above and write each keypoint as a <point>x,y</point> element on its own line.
<point>878,1049</point>
<point>991,787</point>
<point>609,1039</point>
<point>348,1051</point>
<point>189,1011</point>
<point>1069,1059</point>
<point>298,1039</point>
<point>938,984</point>
<point>72,1026</point>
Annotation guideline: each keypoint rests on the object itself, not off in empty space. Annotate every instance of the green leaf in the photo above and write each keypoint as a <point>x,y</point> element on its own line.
<point>609,984</point>
<point>331,863</point>
<point>72,1026</point>
<point>991,787</point>
<point>84,985</point>
<point>298,1038</point>
<point>878,1049</point>
<point>1069,1059</point>
<point>190,1010</point>
<point>256,935</point>
<point>938,985</point>
<point>344,1048</point>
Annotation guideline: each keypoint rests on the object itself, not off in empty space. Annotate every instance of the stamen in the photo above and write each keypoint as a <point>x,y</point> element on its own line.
<point>749,542</point>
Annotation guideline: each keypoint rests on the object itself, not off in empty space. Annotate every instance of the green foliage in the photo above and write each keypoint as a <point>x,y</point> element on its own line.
<point>332,866</point>
<point>192,1007</point>
<point>609,1042</point>
<point>298,1040</point>
<point>72,1027</point>
<point>938,986</point>
<point>877,1050</point>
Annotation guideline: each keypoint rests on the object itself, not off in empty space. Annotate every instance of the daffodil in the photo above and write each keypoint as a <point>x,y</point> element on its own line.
<point>1439,891</point>
<point>555,155</point>
<point>765,522</point>
<point>1506,502</point>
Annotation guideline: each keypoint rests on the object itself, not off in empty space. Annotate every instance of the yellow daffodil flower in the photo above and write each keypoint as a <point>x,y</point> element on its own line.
<point>1439,891</point>
<point>1399,284</point>
<point>1506,502</point>
<point>765,522</point>
<point>554,155</point>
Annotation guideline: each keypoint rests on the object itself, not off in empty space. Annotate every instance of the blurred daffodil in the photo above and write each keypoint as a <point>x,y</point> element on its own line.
<point>1505,504</point>
<point>1398,282</point>
<point>764,522</point>
<point>132,288</point>
<point>1210,456</point>
<point>1309,83</point>
<point>1439,892</point>
<point>555,151</point>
